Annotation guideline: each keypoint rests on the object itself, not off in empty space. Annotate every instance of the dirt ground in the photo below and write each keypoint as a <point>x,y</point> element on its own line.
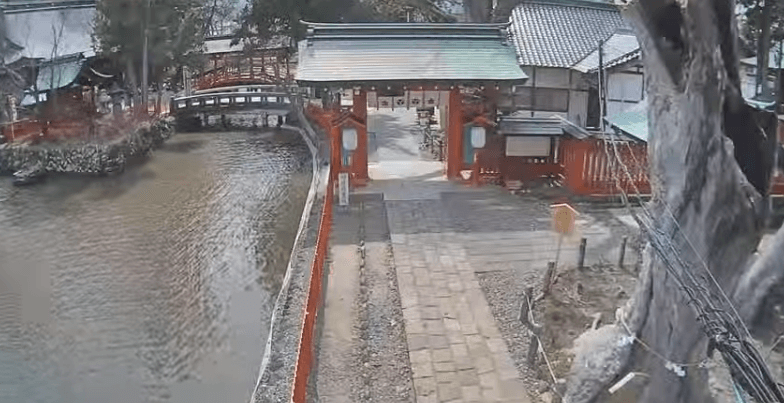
<point>578,300</point>
<point>575,298</point>
<point>578,297</point>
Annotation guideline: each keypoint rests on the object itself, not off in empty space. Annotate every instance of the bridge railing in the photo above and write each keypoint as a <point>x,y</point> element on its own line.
<point>231,100</point>
<point>251,89</point>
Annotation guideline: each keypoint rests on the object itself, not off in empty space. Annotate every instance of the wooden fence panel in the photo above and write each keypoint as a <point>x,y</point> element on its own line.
<point>589,171</point>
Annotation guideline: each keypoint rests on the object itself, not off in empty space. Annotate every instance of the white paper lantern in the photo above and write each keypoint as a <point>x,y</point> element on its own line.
<point>350,138</point>
<point>477,136</point>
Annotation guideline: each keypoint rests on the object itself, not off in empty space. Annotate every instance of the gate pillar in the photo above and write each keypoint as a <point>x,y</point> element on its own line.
<point>454,141</point>
<point>359,168</point>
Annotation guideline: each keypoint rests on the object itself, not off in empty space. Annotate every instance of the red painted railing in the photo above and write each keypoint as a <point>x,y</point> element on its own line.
<point>102,126</point>
<point>250,71</point>
<point>306,353</point>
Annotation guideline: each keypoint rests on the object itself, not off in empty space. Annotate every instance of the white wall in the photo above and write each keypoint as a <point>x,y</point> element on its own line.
<point>624,90</point>
<point>578,107</point>
<point>552,78</point>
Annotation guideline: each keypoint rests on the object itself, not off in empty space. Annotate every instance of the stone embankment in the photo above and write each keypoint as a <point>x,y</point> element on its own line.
<point>280,360</point>
<point>86,156</point>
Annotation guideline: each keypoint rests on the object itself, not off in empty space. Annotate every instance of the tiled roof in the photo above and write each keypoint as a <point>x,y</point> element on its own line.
<point>619,48</point>
<point>407,52</point>
<point>560,34</point>
<point>59,73</point>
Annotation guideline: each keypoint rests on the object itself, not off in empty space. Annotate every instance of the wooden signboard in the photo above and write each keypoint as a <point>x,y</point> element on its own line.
<point>564,217</point>
<point>343,189</point>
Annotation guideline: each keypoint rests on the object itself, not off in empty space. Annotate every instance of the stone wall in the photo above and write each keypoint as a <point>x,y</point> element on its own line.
<point>85,156</point>
<point>246,120</point>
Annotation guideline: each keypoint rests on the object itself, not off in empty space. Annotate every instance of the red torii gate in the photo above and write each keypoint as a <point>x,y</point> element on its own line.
<point>454,60</point>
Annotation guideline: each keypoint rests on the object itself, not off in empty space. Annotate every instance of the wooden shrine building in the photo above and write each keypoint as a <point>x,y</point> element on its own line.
<point>459,67</point>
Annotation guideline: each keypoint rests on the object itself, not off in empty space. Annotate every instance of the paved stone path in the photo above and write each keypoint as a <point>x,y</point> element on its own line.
<point>456,351</point>
<point>442,234</point>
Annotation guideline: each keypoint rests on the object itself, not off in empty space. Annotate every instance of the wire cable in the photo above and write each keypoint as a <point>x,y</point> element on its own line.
<point>745,363</point>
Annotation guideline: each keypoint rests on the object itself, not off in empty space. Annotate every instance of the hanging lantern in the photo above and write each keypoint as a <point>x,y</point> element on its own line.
<point>349,138</point>
<point>478,136</point>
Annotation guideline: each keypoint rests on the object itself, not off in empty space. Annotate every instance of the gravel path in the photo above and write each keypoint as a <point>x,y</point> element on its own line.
<point>369,363</point>
<point>383,354</point>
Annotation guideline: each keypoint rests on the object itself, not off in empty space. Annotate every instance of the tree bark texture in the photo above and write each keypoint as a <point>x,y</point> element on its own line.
<point>711,162</point>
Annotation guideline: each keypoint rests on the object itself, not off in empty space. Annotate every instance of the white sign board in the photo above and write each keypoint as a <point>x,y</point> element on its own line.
<point>343,189</point>
<point>372,100</point>
<point>527,146</point>
<point>410,99</point>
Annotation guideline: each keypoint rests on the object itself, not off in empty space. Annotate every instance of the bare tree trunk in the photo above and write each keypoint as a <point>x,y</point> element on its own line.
<point>711,164</point>
<point>763,52</point>
<point>130,68</point>
<point>477,10</point>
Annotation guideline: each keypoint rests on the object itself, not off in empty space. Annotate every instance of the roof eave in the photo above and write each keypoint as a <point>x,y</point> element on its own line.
<point>412,83</point>
<point>407,25</point>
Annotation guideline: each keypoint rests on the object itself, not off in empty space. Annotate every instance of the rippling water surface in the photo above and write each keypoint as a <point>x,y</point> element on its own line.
<point>153,286</point>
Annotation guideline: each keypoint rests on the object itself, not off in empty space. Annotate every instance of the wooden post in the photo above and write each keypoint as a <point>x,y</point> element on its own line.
<point>558,251</point>
<point>534,329</point>
<point>548,278</point>
<point>581,257</point>
<point>623,252</point>
<point>360,162</point>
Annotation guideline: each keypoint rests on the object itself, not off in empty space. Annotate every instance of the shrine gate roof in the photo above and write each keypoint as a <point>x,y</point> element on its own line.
<point>407,53</point>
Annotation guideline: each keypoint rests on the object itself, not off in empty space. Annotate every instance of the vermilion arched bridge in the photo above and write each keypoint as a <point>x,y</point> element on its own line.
<point>232,64</point>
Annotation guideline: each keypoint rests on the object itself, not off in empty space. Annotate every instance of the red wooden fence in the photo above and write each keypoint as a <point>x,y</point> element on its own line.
<point>591,167</point>
<point>306,352</point>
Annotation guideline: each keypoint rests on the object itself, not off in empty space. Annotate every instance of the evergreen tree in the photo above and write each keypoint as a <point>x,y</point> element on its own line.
<point>174,28</point>
<point>265,19</point>
<point>762,29</point>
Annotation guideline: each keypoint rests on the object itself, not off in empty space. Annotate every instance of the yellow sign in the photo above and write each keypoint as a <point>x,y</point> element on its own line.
<point>564,217</point>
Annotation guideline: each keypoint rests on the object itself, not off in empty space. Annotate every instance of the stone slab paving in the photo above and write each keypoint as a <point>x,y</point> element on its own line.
<point>456,351</point>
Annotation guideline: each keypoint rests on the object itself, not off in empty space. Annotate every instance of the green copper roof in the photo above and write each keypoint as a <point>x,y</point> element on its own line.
<point>634,121</point>
<point>59,74</point>
<point>407,52</point>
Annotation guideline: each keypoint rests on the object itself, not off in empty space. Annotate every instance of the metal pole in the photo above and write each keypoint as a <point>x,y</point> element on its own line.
<point>778,77</point>
<point>601,86</point>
